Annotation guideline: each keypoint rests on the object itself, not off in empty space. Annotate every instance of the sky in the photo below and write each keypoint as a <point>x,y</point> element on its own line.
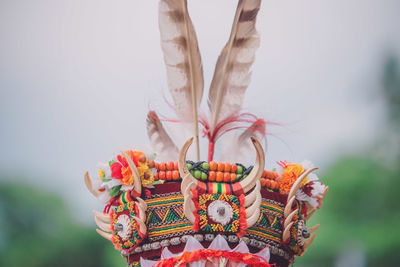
<point>77,78</point>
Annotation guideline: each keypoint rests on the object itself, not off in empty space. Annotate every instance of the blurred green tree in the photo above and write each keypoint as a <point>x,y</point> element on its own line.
<point>362,208</point>
<point>36,230</point>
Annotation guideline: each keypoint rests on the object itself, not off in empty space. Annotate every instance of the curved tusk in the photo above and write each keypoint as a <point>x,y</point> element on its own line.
<point>288,207</point>
<point>142,226</point>
<point>250,198</point>
<point>105,235</point>
<point>296,184</point>
<point>286,233</point>
<point>188,196</point>
<point>289,218</point>
<point>187,178</point>
<point>256,206</point>
<point>188,210</point>
<point>89,186</point>
<point>142,213</point>
<point>102,216</point>
<point>256,172</point>
<point>141,203</point>
<point>310,214</point>
<point>308,242</point>
<point>135,173</point>
<point>190,203</point>
<point>314,229</point>
<point>106,227</point>
<point>253,219</point>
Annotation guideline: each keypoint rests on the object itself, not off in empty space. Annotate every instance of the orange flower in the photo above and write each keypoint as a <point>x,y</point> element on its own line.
<point>289,176</point>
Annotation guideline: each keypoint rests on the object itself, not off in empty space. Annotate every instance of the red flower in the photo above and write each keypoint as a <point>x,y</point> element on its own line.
<point>116,167</point>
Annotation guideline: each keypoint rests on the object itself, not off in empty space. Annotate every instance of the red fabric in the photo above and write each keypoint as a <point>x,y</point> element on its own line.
<point>188,257</point>
<point>196,215</point>
<point>242,218</point>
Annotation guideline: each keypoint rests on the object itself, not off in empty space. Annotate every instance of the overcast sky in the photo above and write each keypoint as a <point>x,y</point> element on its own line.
<point>77,78</point>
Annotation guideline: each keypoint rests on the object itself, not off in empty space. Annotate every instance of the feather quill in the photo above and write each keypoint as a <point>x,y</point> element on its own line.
<point>183,61</point>
<point>232,72</point>
<point>159,138</point>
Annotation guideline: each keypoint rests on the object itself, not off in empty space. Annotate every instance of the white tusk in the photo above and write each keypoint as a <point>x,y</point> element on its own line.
<point>187,178</point>
<point>307,243</point>
<point>314,229</point>
<point>286,233</point>
<point>105,235</point>
<point>253,219</point>
<point>142,226</point>
<point>135,173</point>
<point>256,206</point>
<point>289,218</point>
<point>106,227</point>
<point>89,186</point>
<point>288,207</point>
<point>188,211</point>
<point>255,174</point>
<point>250,198</point>
<point>142,203</point>
<point>102,216</point>
<point>296,184</point>
<point>142,213</point>
<point>188,196</point>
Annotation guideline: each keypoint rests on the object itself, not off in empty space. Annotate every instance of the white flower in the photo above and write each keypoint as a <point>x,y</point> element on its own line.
<point>105,167</point>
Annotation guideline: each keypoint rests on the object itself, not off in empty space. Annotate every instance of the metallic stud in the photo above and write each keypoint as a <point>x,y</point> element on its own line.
<point>118,227</point>
<point>306,233</point>
<point>164,243</point>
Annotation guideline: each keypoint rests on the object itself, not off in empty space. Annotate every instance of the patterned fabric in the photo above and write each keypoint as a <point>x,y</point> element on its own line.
<point>211,225</point>
<point>165,217</point>
<point>129,237</point>
<point>269,226</point>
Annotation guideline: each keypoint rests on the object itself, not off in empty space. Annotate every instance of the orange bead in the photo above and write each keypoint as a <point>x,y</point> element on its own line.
<point>264,174</point>
<point>213,166</point>
<point>221,166</point>
<point>176,165</point>
<point>233,177</point>
<point>233,168</point>
<point>276,185</point>
<point>162,166</point>
<point>175,175</point>
<point>169,175</point>
<point>220,177</point>
<point>161,174</point>
<point>263,182</point>
<point>156,178</point>
<point>212,176</point>
<point>272,186</point>
<point>170,166</point>
<point>227,177</point>
<point>227,167</point>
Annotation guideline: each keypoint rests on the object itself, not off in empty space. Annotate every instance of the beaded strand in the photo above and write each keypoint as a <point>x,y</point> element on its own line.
<point>219,172</point>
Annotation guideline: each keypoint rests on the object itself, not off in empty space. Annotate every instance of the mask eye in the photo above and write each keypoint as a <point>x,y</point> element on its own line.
<point>220,211</point>
<point>123,227</point>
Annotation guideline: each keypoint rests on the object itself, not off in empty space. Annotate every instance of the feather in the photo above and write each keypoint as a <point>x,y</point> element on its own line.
<point>232,72</point>
<point>159,138</point>
<point>183,61</point>
<point>238,148</point>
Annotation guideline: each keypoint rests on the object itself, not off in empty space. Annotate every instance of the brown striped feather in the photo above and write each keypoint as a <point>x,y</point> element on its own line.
<point>232,72</point>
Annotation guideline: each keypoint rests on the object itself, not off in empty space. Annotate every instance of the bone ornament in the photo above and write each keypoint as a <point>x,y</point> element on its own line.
<point>252,181</point>
<point>289,215</point>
